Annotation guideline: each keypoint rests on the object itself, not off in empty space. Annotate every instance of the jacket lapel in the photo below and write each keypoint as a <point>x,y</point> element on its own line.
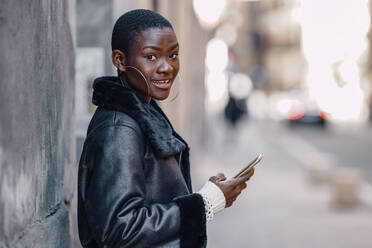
<point>110,94</point>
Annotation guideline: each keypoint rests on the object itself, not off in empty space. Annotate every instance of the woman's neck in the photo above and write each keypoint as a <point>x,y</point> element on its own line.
<point>140,94</point>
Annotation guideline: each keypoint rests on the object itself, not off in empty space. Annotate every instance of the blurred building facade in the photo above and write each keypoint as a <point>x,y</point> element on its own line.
<point>311,48</point>
<point>279,42</point>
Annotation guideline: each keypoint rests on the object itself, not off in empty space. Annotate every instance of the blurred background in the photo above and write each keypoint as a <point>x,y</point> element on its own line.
<point>290,79</point>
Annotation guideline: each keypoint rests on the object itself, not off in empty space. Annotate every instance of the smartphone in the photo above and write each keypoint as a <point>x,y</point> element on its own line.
<point>249,166</point>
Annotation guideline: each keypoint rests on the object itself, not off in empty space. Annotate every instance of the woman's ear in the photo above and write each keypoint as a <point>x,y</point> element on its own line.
<point>119,60</point>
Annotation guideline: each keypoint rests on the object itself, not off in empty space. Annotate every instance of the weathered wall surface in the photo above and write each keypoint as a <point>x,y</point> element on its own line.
<point>37,162</point>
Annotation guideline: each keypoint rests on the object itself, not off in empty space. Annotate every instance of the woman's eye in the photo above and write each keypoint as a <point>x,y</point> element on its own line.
<point>173,56</point>
<point>150,57</point>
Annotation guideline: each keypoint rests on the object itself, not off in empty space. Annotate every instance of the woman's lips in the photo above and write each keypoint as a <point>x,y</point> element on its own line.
<point>162,84</point>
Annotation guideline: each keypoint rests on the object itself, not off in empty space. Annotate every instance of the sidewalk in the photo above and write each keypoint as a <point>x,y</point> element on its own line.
<point>279,208</point>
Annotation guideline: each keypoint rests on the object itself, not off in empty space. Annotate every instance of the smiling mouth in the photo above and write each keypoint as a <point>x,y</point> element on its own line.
<point>163,84</point>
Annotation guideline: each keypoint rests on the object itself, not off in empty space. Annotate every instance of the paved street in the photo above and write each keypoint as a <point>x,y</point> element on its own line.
<point>279,208</point>
<point>349,144</point>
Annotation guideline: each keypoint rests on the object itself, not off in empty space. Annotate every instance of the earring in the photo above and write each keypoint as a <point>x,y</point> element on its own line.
<point>138,71</point>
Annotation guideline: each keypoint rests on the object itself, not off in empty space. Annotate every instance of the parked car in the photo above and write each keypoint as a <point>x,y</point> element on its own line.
<point>307,113</point>
<point>302,111</point>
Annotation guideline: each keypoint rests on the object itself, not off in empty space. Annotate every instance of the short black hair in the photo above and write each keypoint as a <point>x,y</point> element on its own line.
<point>132,22</point>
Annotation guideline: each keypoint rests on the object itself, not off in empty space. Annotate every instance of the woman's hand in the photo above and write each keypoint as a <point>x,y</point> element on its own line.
<point>231,188</point>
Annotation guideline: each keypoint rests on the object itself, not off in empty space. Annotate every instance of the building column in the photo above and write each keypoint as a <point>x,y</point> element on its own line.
<point>37,145</point>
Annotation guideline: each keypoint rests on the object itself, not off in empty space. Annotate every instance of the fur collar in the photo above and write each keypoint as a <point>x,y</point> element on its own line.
<point>110,94</point>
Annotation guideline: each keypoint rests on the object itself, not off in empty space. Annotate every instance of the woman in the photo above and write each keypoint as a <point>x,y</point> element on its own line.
<point>134,187</point>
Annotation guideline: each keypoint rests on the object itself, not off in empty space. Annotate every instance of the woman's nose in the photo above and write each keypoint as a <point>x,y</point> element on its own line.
<point>164,66</point>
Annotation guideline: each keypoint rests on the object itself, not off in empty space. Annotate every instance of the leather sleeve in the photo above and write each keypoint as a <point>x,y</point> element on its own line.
<point>115,193</point>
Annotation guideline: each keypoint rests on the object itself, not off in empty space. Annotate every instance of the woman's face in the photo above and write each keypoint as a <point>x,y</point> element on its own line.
<point>155,53</point>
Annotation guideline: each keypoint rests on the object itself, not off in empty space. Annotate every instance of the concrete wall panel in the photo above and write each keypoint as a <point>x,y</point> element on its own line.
<point>37,160</point>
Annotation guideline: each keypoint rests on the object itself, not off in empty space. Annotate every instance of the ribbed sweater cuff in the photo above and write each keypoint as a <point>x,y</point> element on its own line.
<point>214,198</point>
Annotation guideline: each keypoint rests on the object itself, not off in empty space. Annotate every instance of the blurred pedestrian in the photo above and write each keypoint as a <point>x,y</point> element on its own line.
<point>239,88</point>
<point>134,185</point>
<point>235,110</point>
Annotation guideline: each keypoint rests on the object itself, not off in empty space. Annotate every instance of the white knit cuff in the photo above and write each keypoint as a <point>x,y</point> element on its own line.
<point>214,199</point>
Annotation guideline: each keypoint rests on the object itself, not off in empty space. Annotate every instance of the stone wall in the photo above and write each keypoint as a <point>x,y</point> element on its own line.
<point>37,147</point>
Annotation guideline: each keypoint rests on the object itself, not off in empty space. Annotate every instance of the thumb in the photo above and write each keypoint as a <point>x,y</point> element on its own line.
<point>221,176</point>
<point>217,178</point>
<point>214,179</point>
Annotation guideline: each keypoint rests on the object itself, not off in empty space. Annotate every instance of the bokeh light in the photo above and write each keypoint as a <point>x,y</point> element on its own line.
<point>216,85</point>
<point>216,60</point>
<point>227,33</point>
<point>334,36</point>
<point>209,12</point>
<point>240,86</point>
<point>217,55</point>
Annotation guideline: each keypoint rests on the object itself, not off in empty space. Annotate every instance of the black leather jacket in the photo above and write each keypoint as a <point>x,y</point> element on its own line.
<point>134,187</point>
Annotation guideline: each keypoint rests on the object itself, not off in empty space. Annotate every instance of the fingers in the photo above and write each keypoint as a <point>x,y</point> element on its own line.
<point>238,189</point>
<point>218,178</point>
<point>240,180</point>
<point>246,176</point>
<point>242,186</point>
<point>251,172</point>
<point>234,187</point>
<point>233,193</point>
<point>230,201</point>
<point>221,176</point>
<point>213,179</point>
